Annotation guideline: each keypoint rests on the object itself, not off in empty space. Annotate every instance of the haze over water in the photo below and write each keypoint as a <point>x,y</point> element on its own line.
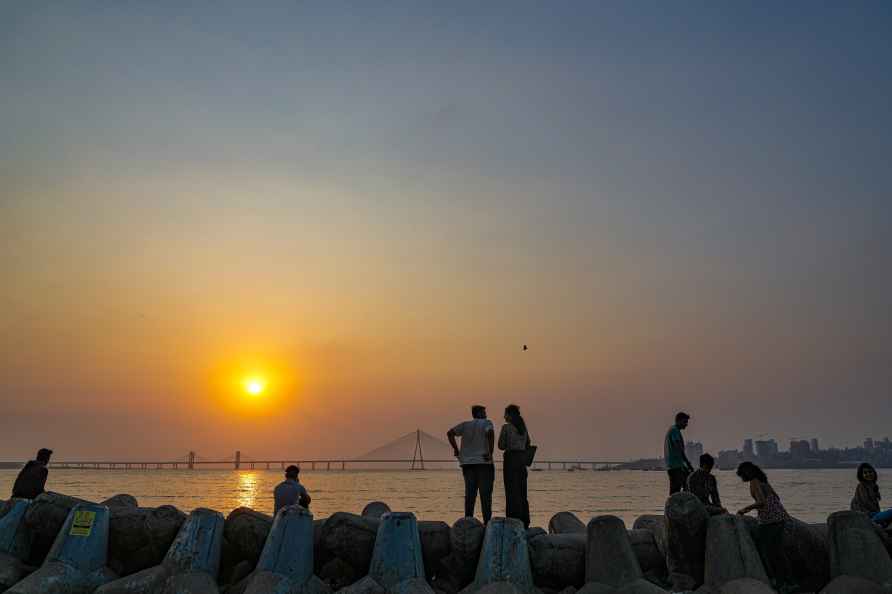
<point>810,495</point>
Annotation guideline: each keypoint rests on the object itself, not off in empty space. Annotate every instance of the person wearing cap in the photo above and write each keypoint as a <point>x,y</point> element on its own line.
<point>31,481</point>
<point>478,439</point>
<point>290,491</point>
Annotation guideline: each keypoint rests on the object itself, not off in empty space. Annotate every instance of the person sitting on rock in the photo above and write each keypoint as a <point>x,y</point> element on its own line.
<point>702,484</point>
<point>290,491</point>
<point>867,496</point>
<point>31,481</point>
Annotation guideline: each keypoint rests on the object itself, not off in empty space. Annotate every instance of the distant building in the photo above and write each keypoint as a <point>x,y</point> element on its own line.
<point>766,450</point>
<point>814,445</point>
<point>799,450</point>
<point>868,443</point>
<point>748,453</point>
<point>728,459</point>
<point>693,450</point>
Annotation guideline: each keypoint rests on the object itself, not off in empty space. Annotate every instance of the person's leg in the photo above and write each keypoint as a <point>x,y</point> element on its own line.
<point>470,489</point>
<point>883,518</point>
<point>676,480</point>
<point>485,483</point>
<point>770,542</point>
<point>512,504</point>
<point>525,502</point>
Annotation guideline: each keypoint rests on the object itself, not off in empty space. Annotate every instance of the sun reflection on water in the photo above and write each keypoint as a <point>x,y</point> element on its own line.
<point>247,489</point>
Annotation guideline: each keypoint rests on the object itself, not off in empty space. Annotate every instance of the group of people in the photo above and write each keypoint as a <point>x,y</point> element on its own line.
<point>770,511</point>
<point>475,455</point>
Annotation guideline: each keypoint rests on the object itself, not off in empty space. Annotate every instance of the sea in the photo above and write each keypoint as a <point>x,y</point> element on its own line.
<point>810,495</point>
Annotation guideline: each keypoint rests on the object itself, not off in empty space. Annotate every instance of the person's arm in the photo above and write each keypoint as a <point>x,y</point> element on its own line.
<point>44,473</point>
<point>450,435</point>
<point>758,496</point>
<point>305,499</point>
<point>714,488</point>
<point>503,438</point>
<point>679,443</point>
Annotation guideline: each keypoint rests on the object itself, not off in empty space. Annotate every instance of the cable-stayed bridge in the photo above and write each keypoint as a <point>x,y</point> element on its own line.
<point>417,450</point>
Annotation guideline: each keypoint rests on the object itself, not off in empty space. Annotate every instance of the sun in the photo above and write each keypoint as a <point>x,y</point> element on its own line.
<point>255,386</point>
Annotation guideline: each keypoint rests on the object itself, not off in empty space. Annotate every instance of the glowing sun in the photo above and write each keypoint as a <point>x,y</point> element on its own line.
<point>255,386</point>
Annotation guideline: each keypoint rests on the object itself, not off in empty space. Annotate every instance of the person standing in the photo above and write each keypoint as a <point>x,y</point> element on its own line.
<point>290,491</point>
<point>514,440</point>
<point>677,464</point>
<point>772,515</point>
<point>475,457</point>
<point>31,481</point>
<point>703,485</point>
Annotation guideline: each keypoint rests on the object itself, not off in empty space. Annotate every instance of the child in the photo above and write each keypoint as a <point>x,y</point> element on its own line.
<point>867,496</point>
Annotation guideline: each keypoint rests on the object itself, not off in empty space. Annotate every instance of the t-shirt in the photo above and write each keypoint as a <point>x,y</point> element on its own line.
<point>31,480</point>
<point>474,443</point>
<point>673,448</point>
<point>704,486</point>
<point>288,492</point>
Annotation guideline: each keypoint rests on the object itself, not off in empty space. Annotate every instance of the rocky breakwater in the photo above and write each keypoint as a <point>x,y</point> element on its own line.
<point>66,545</point>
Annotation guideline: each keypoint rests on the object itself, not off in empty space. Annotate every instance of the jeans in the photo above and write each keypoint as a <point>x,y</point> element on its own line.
<point>479,477</point>
<point>514,472</point>
<point>677,479</point>
<point>882,518</point>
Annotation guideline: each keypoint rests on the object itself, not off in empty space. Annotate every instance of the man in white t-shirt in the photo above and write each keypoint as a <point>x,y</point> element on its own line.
<point>475,456</point>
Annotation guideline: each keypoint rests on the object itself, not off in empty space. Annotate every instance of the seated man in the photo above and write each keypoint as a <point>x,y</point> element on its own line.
<point>290,491</point>
<point>702,484</point>
<point>31,481</point>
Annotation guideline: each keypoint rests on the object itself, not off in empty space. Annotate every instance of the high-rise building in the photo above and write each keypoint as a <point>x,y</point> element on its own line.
<point>748,453</point>
<point>814,445</point>
<point>799,449</point>
<point>693,450</point>
<point>766,449</point>
<point>868,443</point>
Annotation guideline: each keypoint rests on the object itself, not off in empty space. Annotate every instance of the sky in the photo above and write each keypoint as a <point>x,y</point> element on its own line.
<point>372,206</point>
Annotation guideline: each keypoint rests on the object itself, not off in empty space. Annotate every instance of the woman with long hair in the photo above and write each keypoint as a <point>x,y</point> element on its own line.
<point>770,531</point>
<point>514,440</point>
<point>867,496</point>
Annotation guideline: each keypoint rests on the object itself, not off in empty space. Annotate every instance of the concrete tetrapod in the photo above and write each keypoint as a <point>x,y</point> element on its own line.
<point>15,544</point>
<point>565,523</point>
<point>76,564</point>
<point>856,549</point>
<point>375,509</point>
<point>286,563</point>
<point>397,556</point>
<point>609,558</point>
<point>686,521</point>
<point>846,584</point>
<point>504,557</point>
<point>190,565</point>
<point>730,552</point>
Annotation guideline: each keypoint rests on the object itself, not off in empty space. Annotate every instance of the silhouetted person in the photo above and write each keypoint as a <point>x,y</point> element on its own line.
<point>475,458</point>
<point>514,440</point>
<point>703,484</point>
<point>290,491</point>
<point>867,496</point>
<point>31,481</point>
<point>769,534</point>
<point>677,464</point>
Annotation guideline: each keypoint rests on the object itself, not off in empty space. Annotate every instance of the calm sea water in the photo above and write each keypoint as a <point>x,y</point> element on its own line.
<point>438,495</point>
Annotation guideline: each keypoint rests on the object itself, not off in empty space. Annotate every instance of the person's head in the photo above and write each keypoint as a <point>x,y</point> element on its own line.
<point>512,415</point>
<point>707,462</point>
<point>291,472</point>
<point>748,471</point>
<point>478,411</point>
<point>43,455</point>
<point>681,420</point>
<point>867,473</point>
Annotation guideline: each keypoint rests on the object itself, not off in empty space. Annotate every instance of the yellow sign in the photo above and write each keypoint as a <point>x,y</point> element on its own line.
<point>83,523</point>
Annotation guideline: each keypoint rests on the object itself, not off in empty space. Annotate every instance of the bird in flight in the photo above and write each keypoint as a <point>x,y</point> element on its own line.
<point>525,348</point>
